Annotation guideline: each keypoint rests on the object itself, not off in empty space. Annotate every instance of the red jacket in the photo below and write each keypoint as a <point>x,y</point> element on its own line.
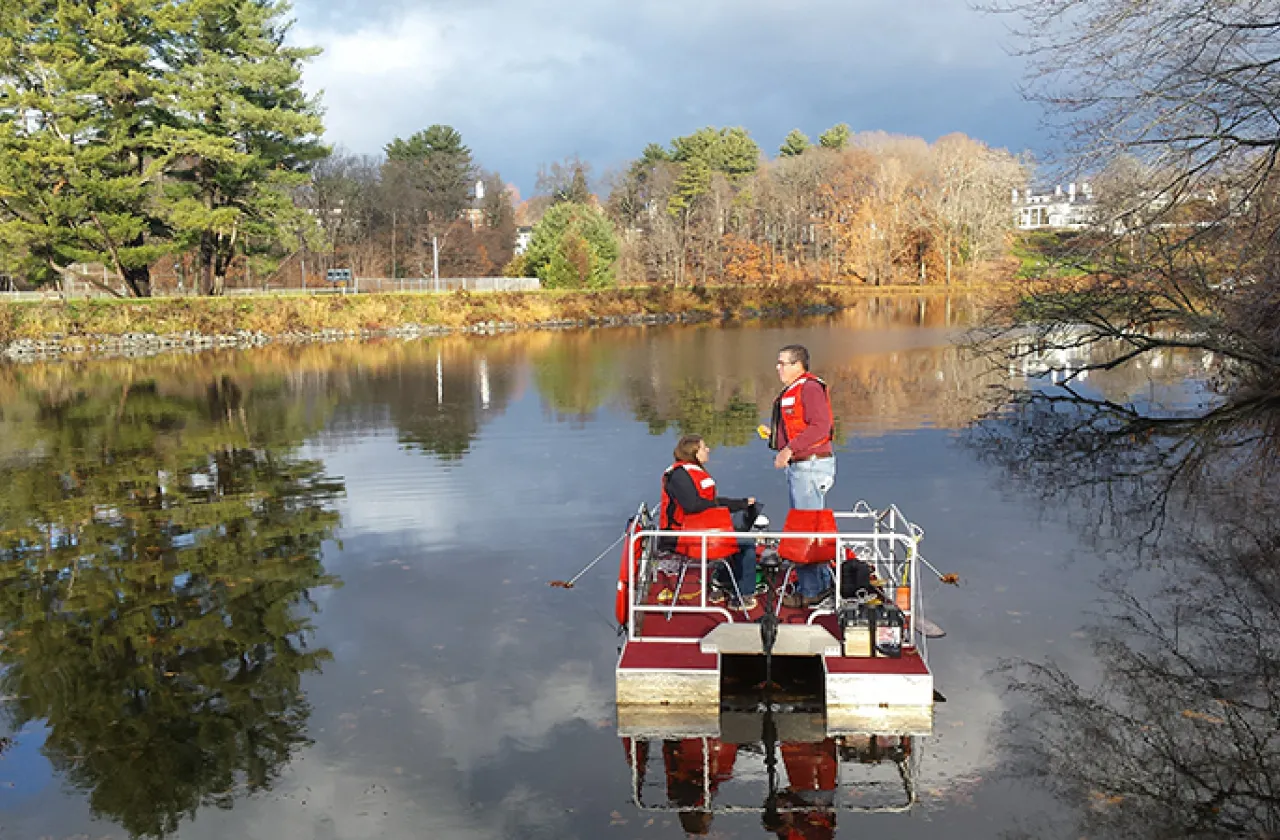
<point>802,418</point>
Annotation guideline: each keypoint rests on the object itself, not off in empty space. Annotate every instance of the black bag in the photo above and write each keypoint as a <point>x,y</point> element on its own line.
<point>855,579</point>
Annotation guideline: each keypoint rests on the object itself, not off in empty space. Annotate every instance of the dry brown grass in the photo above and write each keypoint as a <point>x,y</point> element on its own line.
<point>280,315</point>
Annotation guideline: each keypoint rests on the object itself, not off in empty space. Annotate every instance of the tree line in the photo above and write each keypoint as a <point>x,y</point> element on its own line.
<point>710,206</point>
<point>172,144</point>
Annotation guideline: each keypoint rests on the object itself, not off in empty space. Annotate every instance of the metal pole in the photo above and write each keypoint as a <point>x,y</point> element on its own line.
<point>435,262</point>
<point>302,270</point>
<point>393,249</point>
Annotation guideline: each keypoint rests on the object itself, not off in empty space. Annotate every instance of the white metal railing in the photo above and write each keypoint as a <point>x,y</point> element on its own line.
<point>890,545</point>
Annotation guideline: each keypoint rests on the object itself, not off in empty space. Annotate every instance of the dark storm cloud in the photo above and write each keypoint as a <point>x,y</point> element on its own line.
<point>530,81</point>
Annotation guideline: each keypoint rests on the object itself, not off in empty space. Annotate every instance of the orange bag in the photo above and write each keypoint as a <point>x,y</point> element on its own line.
<point>809,550</point>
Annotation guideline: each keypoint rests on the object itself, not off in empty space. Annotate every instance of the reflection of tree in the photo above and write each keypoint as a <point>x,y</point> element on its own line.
<point>1129,468</point>
<point>156,558</point>
<point>1181,738</point>
<point>437,397</point>
<point>693,411</point>
<point>577,374</point>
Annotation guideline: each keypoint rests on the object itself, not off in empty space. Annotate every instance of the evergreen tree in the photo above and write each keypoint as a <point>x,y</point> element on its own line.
<point>578,191</point>
<point>836,137</point>
<point>438,167</point>
<point>573,247</point>
<point>730,151</point>
<point>78,145</point>
<point>795,144</point>
<point>242,133</point>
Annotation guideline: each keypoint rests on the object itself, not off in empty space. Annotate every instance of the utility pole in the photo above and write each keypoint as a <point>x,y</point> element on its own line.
<point>394,275</point>
<point>435,261</point>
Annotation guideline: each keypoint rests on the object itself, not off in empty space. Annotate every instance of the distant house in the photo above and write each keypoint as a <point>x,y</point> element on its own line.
<point>524,234</point>
<point>474,211</point>
<point>1069,209</point>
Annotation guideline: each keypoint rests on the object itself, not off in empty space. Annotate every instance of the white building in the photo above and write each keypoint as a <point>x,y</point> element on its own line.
<point>1071,209</point>
<point>524,234</point>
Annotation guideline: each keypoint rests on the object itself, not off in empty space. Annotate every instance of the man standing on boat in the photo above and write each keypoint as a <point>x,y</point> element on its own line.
<point>801,431</point>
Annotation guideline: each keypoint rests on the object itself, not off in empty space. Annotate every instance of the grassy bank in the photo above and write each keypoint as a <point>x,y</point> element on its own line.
<point>284,315</point>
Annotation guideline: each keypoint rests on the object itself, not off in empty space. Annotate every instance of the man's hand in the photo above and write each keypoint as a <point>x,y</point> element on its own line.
<point>782,458</point>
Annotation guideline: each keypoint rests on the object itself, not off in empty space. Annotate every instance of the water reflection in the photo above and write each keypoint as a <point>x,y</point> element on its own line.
<point>778,766</point>
<point>500,731</point>
<point>159,544</point>
<point>1179,735</point>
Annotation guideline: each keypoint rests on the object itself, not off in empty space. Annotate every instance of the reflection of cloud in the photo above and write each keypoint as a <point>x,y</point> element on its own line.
<point>323,799</point>
<point>388,493</point>
<point>476,720</point>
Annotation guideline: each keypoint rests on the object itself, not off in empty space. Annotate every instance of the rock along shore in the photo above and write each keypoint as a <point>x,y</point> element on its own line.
<point>149,344</point>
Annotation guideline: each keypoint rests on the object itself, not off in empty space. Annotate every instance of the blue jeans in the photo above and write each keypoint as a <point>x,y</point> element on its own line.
<point>743,566</point>
<point>808,483</point>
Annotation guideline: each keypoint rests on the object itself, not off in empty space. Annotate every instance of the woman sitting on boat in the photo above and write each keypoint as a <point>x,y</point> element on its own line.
<point>689,502</point>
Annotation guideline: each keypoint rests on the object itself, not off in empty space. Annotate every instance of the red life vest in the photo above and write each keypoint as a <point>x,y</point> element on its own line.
<point>671,517</point>
<point>788,408</point>
<point>686,770</point>
<point>810,765</point>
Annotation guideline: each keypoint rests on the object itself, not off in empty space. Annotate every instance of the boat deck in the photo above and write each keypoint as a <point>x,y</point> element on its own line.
<point>673,664</point>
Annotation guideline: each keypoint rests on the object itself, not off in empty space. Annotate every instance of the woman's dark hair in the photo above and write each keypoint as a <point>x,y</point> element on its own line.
<point>687,448</point>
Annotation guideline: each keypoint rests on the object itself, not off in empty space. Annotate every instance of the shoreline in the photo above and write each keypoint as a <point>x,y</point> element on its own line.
<point>78,329</point>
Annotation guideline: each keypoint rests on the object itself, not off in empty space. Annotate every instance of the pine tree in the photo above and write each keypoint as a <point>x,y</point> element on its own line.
<point>794,144</point>
<point>78,144</point>
<point>836,137</point>
<point>242,133</point>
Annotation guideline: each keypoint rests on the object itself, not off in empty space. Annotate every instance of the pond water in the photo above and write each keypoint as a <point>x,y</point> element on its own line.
<point>302,592</point>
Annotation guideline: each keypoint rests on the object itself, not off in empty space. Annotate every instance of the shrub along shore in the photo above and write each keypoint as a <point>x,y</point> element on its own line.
<point>103,325</point>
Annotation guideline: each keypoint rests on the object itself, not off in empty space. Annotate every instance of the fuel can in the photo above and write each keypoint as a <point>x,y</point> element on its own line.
<point>888,625</point>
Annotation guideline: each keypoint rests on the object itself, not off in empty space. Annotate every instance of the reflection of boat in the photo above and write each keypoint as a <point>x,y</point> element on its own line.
<point>779,764</point>
<point>869,651</point>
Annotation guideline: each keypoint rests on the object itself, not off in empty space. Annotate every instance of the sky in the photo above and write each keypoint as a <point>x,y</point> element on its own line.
<point>528,82</point>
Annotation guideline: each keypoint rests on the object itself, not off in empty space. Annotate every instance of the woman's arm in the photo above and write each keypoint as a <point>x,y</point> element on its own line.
<point>733,505</point>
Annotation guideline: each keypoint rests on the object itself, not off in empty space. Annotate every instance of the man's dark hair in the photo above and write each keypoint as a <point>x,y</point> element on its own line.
<point>799,353</point>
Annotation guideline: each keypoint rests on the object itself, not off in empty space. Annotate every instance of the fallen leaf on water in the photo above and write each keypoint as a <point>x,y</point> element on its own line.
<point>1101,798</point>
<point>649,823</point>
<point>1194,715</point>
<point>616,819</point>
